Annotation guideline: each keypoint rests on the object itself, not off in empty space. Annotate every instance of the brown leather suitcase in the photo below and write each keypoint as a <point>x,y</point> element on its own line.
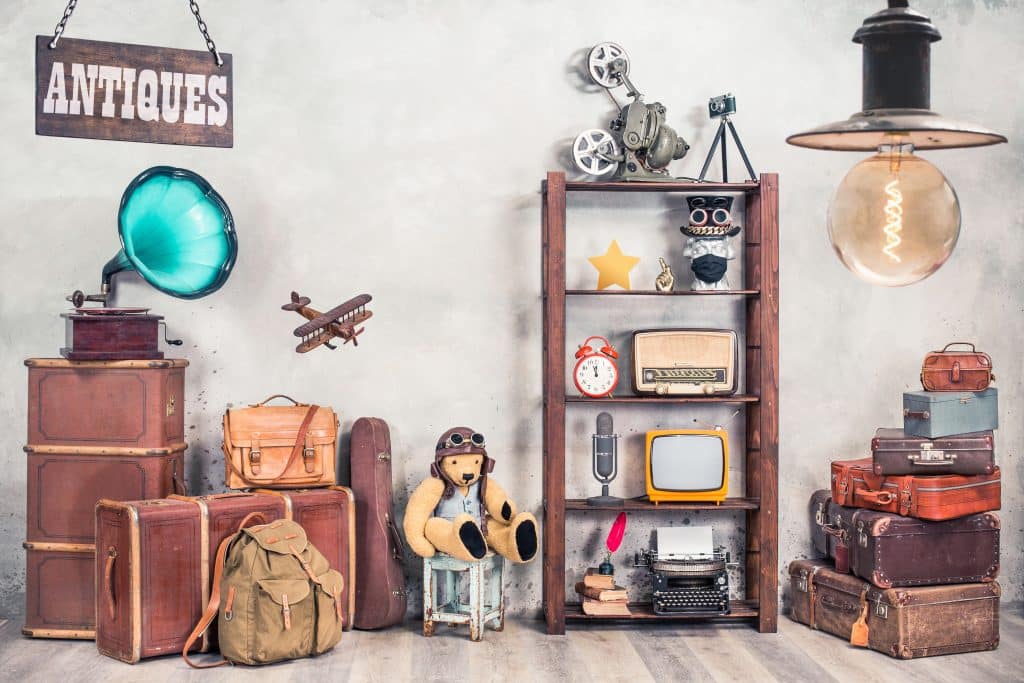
<point>329,517</point>
<point>895,452</point>
<point>935,498</point>
<point>154,566</point>
<point>901,622</point>
<point>891,550</point>
<point>64,485</point>
<point>380,551</point>
<point>95,430</point>
<point>59,590</point>
<point>106,404</point>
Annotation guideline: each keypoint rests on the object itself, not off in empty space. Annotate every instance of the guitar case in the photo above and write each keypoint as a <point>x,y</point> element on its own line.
<point>380,550</point>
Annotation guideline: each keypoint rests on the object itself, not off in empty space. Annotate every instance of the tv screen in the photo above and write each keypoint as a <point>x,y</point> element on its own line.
<point>687,462</point>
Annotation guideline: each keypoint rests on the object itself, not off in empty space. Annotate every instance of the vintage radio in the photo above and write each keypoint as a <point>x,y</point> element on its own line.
<point>684,362</point>
<point>687,465</point>
<point>688,575</point>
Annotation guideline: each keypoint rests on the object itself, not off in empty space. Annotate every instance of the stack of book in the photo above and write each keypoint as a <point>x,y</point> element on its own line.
<point>600,596</point>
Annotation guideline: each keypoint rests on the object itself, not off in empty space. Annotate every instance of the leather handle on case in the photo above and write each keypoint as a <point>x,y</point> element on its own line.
<point>918,414</point>
<point>849,607</point>
<point>268,399</point>
<point>944,348</point>
<point>876,497</point>
<point>396,538</point>
<point>108,582</point>
<point>178,485</point>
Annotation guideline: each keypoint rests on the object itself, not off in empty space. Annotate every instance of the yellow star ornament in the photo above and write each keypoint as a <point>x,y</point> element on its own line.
<point>613,267</point>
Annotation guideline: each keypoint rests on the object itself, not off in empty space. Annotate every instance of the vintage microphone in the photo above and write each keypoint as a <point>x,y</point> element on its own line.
<point>605,461</point>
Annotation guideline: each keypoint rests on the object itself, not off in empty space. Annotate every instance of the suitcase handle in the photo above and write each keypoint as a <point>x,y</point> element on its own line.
<point>917,414</point>
<point>876,497</point>
<point>108,582</point>
<point>944,348</point>
<point>844,606</point>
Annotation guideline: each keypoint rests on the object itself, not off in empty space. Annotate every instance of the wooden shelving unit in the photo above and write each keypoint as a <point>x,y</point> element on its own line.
<point>761,402</point>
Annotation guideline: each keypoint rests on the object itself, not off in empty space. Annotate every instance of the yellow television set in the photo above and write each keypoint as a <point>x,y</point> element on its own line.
<point>687,465</point>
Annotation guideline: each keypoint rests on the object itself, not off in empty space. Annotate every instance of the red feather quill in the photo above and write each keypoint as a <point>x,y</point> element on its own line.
<point>617,532</point>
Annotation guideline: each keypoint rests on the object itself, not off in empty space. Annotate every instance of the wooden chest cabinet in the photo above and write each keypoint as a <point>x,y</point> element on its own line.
<point>96,429</point>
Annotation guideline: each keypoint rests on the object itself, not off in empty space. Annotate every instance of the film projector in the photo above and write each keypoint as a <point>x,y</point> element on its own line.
<point>639,144</point>
<point>178,234</point>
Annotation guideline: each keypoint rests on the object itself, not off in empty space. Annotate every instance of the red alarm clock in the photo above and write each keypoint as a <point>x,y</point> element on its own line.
<point>596,373</point>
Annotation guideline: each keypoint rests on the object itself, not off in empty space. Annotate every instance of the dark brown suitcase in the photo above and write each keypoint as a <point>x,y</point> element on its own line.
<point>894,452</point>
<point>936,498</point>
<point>829,537</point>
<point>59,590</point>
<point>380,551</point>
<point>121,404</point>
<point>154,567</point>
<point>329,517</point>
<point>901,622</point>
<point>891,550</point>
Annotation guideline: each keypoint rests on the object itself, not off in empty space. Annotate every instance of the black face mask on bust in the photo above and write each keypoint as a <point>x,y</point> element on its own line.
<point>709,268</point>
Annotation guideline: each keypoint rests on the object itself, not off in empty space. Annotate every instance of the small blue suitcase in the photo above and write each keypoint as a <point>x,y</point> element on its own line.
<point>934,414</point>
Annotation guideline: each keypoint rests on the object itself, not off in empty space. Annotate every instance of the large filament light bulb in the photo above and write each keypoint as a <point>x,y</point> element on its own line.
<point>895,218</point>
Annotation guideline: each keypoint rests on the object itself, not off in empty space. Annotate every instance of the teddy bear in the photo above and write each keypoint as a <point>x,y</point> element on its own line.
<point>460,511</point>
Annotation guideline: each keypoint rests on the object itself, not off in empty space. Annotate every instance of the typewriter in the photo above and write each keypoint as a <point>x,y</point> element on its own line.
<point>688,575</point>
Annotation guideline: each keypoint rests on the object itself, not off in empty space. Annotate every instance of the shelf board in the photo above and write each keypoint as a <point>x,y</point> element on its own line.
<point>659,186</point>
<point>735,398</point>
<point>654,292</point>
<point>644,611</point>
<point>641,503</point>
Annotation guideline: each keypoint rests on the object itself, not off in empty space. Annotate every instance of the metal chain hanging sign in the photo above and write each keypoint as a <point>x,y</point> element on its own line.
<point>137,93</point>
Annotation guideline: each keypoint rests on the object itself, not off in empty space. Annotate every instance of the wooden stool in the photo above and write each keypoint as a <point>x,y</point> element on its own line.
<point>442,593</point>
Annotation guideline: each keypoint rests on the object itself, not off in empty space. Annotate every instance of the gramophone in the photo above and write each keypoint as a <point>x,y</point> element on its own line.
<point>178,234</point>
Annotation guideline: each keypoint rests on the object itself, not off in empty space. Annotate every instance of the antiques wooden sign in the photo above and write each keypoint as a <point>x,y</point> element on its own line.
<point>137,93</point>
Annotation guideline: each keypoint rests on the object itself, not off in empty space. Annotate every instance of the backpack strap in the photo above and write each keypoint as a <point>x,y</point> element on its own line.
<point>214,605</point>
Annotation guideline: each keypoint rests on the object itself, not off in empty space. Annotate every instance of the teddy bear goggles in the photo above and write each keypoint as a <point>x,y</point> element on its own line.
<point>456,440</point>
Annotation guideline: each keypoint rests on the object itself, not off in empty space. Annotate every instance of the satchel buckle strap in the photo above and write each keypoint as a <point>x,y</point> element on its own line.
<point>309,455</point>
<point>255,454</point>
<point>286,611</point>
<point>955,374</point>
<point>905,499</point>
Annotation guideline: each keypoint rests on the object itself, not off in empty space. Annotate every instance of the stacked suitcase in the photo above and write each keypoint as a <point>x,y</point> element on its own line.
<point>910,536</point>
<point>96,429</point>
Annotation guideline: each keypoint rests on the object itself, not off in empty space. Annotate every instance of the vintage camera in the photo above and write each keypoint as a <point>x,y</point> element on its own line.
<point>723,105</point>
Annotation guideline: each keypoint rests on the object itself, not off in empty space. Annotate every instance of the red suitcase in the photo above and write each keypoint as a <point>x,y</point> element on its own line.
<point>935,498</point>
<point>380,593</point>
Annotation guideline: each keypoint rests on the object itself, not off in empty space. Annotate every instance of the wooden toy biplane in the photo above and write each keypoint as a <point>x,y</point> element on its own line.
<point>340,322</point>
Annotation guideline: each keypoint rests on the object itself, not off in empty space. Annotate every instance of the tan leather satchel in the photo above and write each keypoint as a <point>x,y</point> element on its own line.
<point>947,370</point>
<point>280,447</point>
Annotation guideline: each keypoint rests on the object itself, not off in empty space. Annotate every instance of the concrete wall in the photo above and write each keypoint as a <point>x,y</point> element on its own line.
<point>397,147</point>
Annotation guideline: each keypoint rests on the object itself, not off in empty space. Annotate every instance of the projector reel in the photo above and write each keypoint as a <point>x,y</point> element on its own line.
<point>595,152</point>
<point>599,63</point>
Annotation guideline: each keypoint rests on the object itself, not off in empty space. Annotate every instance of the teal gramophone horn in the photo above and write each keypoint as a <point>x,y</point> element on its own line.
<point>176,232</point>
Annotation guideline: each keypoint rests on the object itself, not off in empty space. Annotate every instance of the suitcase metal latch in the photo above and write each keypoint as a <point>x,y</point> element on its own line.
<point>383,457</point>
<point>929,455</point>
<point>819,516</point>
<point>801,583</point>
<point>170,406</point>
<point>862,537</point>
<point>882,610</point>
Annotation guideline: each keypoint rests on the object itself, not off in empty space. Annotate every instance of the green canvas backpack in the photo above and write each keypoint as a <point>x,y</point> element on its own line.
<point>274,597</point>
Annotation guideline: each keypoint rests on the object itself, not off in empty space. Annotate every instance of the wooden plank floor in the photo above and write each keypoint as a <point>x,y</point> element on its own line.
<point>522,653</point>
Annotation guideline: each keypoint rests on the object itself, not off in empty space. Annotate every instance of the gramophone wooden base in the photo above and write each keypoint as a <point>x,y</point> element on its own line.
<point>112,337</point>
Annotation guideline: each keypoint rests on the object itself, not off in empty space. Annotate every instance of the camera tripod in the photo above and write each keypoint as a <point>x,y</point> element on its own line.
<point>720,138</point>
